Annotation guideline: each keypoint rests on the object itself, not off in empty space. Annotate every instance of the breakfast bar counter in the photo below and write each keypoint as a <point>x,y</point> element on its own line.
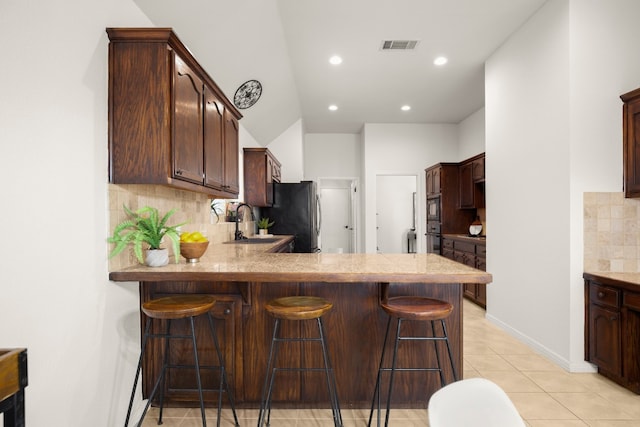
<point>244,277</point>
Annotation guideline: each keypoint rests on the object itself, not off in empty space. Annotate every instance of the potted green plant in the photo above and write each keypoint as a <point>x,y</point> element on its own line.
<point>145,226</point>
<point>264,224</point>
<point>217,209</point>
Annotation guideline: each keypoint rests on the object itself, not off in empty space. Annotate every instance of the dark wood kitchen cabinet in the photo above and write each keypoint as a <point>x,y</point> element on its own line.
<point>612,328</point>
<point>472,182</point>
<point>631,142</point>
<point>261,171</point>
<point>433,180</point>
<point>169,123</point>
<point>444,179</point>
<point>469,251</point>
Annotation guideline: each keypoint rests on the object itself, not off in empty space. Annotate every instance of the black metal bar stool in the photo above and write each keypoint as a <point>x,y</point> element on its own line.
<point>297,308</point>
<point>412,308</point>
<point>181,307</point>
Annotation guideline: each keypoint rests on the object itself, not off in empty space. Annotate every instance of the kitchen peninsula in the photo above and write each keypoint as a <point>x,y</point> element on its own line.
<point>243,277</point>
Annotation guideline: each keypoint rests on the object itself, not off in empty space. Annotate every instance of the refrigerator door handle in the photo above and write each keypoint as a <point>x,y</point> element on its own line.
<point>319,219</point>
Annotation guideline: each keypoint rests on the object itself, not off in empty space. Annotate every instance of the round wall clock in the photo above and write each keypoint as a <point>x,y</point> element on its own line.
<point>247,94</point>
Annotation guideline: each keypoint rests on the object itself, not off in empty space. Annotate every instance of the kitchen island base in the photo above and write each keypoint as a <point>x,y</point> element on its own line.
<point>355,330</point>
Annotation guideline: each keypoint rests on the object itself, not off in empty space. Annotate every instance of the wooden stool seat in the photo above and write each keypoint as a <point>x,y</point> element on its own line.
<point>298,308</point>
<point>165,310</point>
<point>178,306</point>
<point>417,308</point>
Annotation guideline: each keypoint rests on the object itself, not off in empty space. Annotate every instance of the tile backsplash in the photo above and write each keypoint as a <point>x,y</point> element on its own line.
<point>611,235</point>
<point>191,207</point>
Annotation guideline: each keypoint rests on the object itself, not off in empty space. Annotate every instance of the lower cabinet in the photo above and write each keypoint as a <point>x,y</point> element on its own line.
<point>470,251</point>
<point>181,383</point>
<point>612,329</point>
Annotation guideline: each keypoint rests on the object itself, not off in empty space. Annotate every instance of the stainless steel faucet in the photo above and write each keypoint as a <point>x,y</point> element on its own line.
<point>238,234</point>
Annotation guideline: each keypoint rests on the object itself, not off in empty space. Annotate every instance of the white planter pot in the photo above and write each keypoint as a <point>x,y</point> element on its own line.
<point>263,231</point>
<point>157,257</point>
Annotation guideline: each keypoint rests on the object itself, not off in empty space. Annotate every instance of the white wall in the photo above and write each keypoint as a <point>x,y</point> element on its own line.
<point>527,164</point>
<point>553,131</point>
<point>332,155</point>
<point>288,150</point>
<point>80,329</point>
<point>402,149</point>
<point>471,135</point>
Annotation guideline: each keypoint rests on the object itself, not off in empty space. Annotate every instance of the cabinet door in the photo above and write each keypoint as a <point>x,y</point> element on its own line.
<point>231,181</point>
<point>213,141</point>
<point>187,120</point>
<point>433,181</point>
<point>269,181</point>
<point>466,186</point>
<point>631,142</point>
<point>604,339</point>
<point>478,170</point>
<point>181,383</point>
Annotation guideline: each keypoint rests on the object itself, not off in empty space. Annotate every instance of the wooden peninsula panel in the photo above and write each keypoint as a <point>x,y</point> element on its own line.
<point>244,279</point>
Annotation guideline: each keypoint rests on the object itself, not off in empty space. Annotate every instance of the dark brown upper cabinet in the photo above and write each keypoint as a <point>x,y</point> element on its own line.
<point>261,171</point>
<point>471,195</point>
<point>169,123</point>
<point>631,142</point>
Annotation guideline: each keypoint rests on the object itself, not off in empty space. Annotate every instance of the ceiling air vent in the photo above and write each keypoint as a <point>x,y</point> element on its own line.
<point>399,44</point>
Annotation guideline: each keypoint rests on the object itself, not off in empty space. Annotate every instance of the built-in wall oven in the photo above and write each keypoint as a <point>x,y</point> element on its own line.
<point>433,209</point>
<point>434,238</point>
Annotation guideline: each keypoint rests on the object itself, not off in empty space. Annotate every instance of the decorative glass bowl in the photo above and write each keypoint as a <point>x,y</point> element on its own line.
<point>192,251</point>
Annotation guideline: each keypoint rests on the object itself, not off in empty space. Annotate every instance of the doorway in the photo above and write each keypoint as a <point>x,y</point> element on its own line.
<point>339,221</point>
<point>395,213</point>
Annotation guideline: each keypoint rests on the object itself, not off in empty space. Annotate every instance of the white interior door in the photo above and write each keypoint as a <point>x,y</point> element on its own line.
<point>336,220</point>
<point>394,212</point>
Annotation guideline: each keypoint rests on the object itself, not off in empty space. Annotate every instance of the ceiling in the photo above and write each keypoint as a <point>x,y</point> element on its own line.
<point>286,45</point>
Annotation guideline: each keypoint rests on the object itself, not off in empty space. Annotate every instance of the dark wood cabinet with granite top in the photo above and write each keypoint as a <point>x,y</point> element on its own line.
<point>244,278</point>
<point>169,123</point>
<point>612,327</point>
<point>469,251</point>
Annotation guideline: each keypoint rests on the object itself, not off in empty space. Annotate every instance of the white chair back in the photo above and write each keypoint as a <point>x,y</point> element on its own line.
<point>475,402</point>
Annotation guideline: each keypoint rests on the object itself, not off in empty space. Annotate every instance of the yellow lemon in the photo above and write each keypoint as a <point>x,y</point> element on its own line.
<point>196,236</point>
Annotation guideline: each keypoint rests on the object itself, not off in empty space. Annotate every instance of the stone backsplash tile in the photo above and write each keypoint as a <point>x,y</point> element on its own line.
<point>191,207</point>
<point>611,237</point>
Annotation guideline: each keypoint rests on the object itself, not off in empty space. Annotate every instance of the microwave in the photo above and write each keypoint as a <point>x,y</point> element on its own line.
<point>433,209</point>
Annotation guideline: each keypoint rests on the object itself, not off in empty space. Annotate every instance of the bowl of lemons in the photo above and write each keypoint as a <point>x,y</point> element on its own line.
<point>193,245</point>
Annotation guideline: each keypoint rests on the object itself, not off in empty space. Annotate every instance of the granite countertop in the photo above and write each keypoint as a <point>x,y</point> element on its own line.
<point>253,262</point>
<point>630,278</point>
<point>479,239</point>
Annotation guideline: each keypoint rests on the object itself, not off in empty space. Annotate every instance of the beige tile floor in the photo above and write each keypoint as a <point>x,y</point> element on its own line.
<point>545,394</point>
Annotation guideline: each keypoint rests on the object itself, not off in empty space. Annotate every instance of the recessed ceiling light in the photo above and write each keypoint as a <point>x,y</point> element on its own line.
<point>405,108</point>
<point>335,60</point>
<point>333,107</point>
<point>440,60</point>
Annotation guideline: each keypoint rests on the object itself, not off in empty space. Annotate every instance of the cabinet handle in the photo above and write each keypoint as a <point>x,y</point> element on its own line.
<point>227,312</point>
<point>600,294</point>
<point>179,172</point>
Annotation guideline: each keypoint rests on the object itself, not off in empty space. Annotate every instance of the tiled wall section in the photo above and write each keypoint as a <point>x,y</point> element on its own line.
<point>611,235</point>
<point>192,208</point>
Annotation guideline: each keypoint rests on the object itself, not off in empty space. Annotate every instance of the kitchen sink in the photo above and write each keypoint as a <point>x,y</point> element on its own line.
<point>254,240</point>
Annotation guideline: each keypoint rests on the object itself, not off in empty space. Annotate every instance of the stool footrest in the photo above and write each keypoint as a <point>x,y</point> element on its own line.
<point>301,369</point>
<point>280,339</point>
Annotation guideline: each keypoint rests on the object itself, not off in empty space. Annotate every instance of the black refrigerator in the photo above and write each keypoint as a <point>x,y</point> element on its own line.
<point>296,211</point>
